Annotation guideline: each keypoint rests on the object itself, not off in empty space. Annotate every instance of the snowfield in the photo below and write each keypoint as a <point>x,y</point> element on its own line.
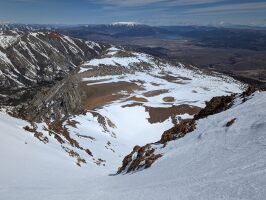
<point>212,162</point>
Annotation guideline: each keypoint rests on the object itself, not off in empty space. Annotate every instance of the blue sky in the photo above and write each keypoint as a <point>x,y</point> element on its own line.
<point>153,12</point>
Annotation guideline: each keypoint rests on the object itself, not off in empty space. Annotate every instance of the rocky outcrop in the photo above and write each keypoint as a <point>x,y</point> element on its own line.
<point>215,105</point>
<point>247,93</point>
<point>144,157</point>
<point>178,131</point>
<point>222,103</point>
<point>140,157</point>
<point>231,122</point>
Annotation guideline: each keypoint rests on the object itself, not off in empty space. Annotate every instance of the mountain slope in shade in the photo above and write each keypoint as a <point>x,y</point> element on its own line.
<point>215,161</point>
<point>28,59</point>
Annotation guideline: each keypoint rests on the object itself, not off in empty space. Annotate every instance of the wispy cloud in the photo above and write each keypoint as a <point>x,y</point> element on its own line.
<point>229,7</point>
<point>133,3</point>
<point>191,2</point>
<point>123,3</point>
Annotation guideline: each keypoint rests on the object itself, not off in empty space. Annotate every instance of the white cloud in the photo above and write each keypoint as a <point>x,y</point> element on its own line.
<point>130,2</point>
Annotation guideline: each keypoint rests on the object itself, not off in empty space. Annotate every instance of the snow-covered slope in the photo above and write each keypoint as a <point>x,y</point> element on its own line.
<point>27,163</point>
<point>215,161</point>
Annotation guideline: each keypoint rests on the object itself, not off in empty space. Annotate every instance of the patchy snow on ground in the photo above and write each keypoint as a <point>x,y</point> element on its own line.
<point>186,86</point>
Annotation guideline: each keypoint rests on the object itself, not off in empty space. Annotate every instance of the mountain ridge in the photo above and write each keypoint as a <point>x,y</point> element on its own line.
<point>30,60</point>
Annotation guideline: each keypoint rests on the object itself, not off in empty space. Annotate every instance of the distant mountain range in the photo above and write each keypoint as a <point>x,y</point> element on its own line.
<point>227,36</point>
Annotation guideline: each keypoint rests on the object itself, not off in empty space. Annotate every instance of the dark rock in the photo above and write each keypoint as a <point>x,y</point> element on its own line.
<point>230,123</point>
<point>215,105</point>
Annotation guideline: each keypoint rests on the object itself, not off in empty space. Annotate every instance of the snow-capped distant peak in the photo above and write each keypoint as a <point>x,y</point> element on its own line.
<point>126,23</point>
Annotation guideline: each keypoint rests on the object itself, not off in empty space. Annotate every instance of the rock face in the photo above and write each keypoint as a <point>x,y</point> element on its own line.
<point>29,59</point>
<point>140,157</point>
<point>215,105</point>
<point>178,131</point>
<point>64,99</point>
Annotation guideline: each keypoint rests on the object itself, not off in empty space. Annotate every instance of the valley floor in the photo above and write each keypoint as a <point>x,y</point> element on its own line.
<point>212,162</point>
